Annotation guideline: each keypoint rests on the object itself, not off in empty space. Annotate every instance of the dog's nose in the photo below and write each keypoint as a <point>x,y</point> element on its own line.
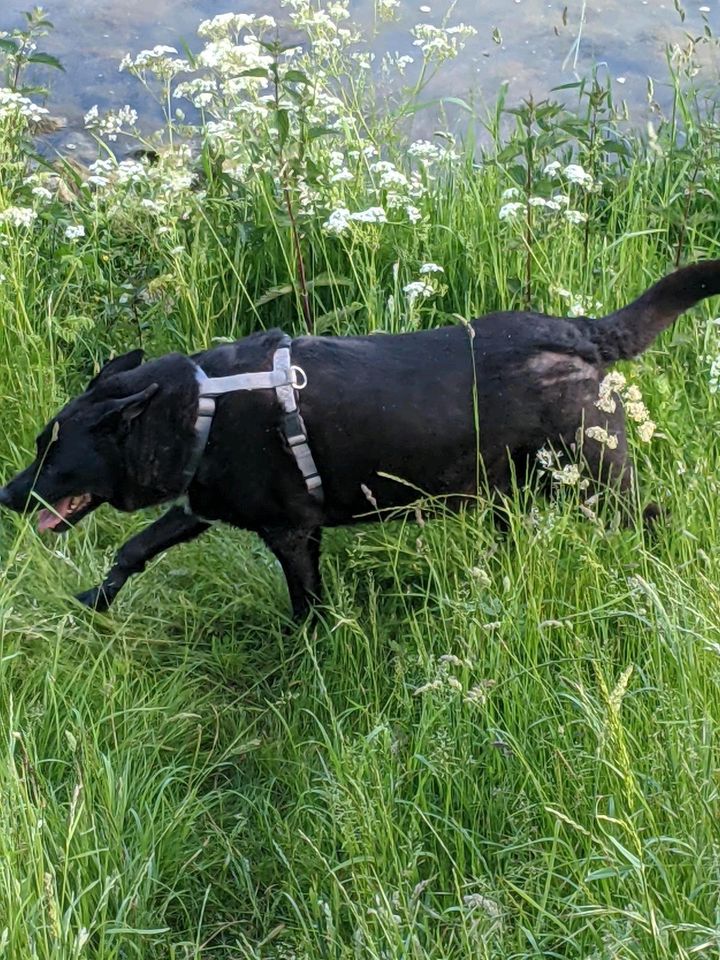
<point>4,497</point>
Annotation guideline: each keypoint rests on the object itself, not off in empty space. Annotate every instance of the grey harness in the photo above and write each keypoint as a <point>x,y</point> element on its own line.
<point>285,379</point>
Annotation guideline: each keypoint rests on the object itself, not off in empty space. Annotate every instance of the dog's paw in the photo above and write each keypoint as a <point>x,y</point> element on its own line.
<point>95,599</point>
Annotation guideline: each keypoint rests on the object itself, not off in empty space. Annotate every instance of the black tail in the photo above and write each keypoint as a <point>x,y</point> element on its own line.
<point>630,330</point>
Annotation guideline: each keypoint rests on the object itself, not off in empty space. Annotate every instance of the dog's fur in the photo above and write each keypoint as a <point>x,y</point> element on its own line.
<point>416,407</point>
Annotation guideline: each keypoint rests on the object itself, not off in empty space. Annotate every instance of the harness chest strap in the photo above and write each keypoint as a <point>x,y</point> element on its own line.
<point>286,380</point>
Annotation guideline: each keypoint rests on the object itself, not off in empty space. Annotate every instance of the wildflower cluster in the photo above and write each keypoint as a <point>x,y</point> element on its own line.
<point>558,203</point>
<point>562,475</point>
<point>438,44</point>
<point>16,108</point>
<point>162,61</point>
<point>615,384</point>
<point>112,123</point>
<point>397,193</point>
<point>575,182</point>
<point>573,175</point>
<point>22,217</point>
<point>428,285</point>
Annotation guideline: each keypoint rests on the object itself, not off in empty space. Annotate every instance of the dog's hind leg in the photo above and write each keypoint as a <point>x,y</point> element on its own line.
<point>175,526</point>
<point>299,554</point>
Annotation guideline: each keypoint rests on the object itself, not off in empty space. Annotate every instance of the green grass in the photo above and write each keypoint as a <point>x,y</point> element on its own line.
<point>489,745</point>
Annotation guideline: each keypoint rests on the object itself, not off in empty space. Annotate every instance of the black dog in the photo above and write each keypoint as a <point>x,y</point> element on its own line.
<point>387,417</point>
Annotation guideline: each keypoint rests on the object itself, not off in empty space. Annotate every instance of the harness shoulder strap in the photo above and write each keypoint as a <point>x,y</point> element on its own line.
<point>293,424</point>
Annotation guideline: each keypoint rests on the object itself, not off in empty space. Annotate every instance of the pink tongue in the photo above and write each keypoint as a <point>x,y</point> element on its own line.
<point>49,519</point>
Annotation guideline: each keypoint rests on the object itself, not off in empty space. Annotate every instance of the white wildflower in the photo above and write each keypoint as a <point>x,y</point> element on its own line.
<point>152,205</point>
<point>575,216</point>
<point>393,178</point>
<point>413,214</point>
<point>417,290</point>
<point>646,430</point>
<point>637,411</point>
<point>570,476</point>
<point>545,458</point>
<point>371,215</point>
<point>74,231</point>
<point>510,210</point>
<point>113,122</point>
<point>338,221</point>
<point>18,216</point>
<point>441,43</point>
<point>608,440</point>
<point>225,24</point>
<point>613,382</point>
<point>200,91</point>
<point>552,169</point>
<point>576,174</point>
<point>342,176</point>
<point>42,193</point>
<point>15,105</point>
<point>425,152</point>
<point>130,171</point>
<point>510,194</point>
<point>431,268</point>
<point>402,63</point>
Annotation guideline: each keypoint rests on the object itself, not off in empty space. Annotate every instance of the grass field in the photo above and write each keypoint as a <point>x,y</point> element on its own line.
<point>489,745</point>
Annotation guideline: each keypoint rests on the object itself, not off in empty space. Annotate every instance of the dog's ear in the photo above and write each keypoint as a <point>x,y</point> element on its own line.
<point>121,364</point>
<point>128,408</point>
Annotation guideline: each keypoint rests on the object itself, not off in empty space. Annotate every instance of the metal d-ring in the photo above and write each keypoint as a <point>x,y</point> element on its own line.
<point>296,372</point>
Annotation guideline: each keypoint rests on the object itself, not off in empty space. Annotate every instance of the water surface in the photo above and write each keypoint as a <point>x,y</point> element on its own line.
<point>538,46</point>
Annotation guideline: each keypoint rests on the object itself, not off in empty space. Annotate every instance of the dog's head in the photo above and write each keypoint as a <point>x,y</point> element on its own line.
<point>124,441</point>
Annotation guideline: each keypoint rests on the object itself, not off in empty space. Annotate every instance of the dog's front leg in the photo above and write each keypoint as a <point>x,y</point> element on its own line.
<point>299,554</point>
<point>176,526</point>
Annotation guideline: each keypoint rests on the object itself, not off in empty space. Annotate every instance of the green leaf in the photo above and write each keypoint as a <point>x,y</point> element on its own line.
<point>296,76</point>
<point>9,46</point>
<point>282,121</point>
<point>616,146</point>
<point>458,102</point>
<point>566,86</point>
<point>255,72</point>
<point>328,280</point>
<point>47,59</point>
<point>315,132</point>
<point>604,873</point>
<point>274,293</point>
<point>333,318</point>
